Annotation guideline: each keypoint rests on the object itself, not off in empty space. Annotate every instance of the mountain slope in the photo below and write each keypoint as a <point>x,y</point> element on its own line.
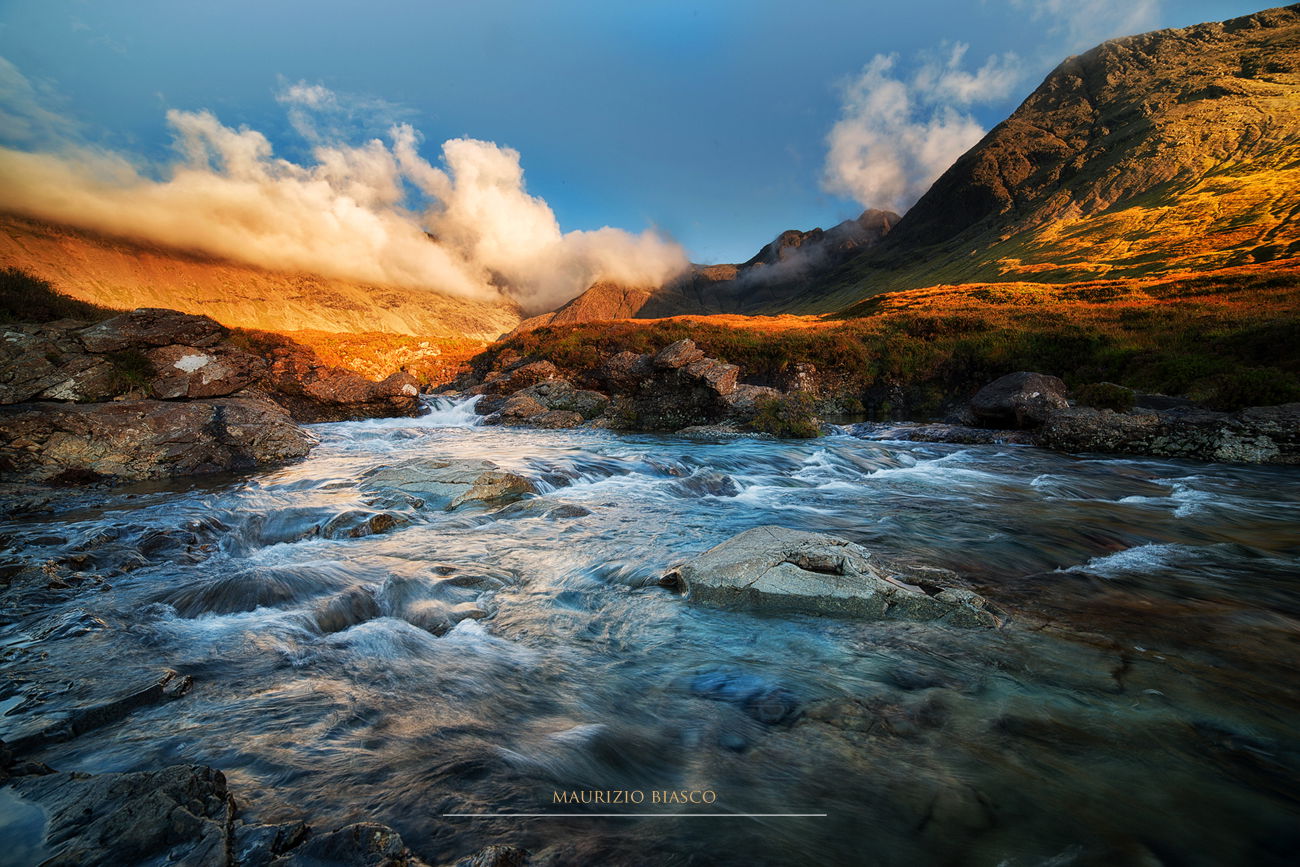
<point>1169,151</point>
<point>779,274</point>
<point>125,274</point>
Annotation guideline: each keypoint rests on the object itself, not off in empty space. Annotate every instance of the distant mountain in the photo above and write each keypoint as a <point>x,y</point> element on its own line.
<point>1161,153</point>
<point>1171,151</point>
<point>783,271</point>
<point>124,274</point>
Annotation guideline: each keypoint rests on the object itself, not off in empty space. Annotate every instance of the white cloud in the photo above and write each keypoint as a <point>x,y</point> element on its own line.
<point>898,132</point>
<point>1081,24</point>
<point>344,214</point>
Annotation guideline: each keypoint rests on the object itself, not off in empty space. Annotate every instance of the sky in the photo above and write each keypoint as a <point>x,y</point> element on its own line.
<point>712,125</point>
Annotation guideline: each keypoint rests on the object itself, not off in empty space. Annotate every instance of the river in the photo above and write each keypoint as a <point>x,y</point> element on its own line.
<point>1140,707</point>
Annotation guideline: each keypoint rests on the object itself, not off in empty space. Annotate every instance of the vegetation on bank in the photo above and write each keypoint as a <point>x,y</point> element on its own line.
<point>27,298</point>
<point>1225,339</point>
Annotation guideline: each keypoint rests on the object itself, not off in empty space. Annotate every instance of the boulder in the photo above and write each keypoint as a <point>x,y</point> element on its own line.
<point>191,372</point>
<point>151,326</point>
<point>517,409</point>
<point>623,370</point>
<point>449,484</point>
<point>519,376</point>
<point>559,394</point>
<point>775,570</point>
<point>145,439</point>
<point>678,354</point>
<point>316,392</point>
<point>1019,400</point>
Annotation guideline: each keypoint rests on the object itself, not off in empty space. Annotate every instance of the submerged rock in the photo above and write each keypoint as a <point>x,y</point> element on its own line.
<point>449,484</point>
<point>781,571</point>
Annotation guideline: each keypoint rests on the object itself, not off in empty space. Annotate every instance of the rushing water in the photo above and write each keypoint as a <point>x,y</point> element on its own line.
<point>1139,709</point>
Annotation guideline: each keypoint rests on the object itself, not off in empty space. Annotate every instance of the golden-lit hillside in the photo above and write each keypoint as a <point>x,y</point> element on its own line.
<point>123,274</point>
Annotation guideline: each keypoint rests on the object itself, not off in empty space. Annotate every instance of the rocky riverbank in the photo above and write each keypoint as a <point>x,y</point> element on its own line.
<point>680,389</point>
<point>155,393</point>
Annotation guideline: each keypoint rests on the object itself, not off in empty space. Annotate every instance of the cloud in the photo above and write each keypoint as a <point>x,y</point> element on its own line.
<point>1081,24</point>
<point>898,132</point>
<point>345,213</point>
<point>24,118</point>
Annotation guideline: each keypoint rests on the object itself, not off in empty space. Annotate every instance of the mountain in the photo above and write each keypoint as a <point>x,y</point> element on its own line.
<point>1165,152</point>
<point>123,274</point>
<point>780,273</point>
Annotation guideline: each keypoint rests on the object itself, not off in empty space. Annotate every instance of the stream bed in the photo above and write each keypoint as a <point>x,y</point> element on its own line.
<point>1140,707</point>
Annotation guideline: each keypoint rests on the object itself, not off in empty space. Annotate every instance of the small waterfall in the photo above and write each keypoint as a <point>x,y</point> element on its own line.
<point>454,411</point>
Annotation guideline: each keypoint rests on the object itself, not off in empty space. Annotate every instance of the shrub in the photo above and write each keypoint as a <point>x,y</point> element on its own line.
<point>27,298</point>
<point>791,415</point>
<point>1106,395</point>
<point>132,366</point>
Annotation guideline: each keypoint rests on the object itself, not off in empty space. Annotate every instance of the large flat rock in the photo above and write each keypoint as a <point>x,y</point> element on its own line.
<point>776,570</point>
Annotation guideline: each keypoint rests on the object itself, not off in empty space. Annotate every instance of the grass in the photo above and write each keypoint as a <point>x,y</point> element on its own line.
<point>26,298</point>
<point>1226,339</point>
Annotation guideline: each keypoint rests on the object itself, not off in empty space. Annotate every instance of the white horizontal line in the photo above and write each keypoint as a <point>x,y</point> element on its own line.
<point>629,815</point>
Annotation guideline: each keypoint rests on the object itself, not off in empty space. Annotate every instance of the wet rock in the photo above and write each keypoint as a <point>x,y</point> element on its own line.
<point>780,571</point>
<point>1269,434</point>
<point>517,409</point>
<point>705,483</point>
<point>356,523</point>
<point>497,856</point>
<point>179,814</point>
<point>449,484</point>
<point>568,510</point>
<point>185,814</point>
<point>436,605</point>
<point>941,433</point>
<point>365,844</point>
<point>1019,400</point>
<point>248,590</point>
<point>147,439</point>
<point>190,372</point>
<point>151,326</point>
<point>167,688</point>
<point>346,610</point>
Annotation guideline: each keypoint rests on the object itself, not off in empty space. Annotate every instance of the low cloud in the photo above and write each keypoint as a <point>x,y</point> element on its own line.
<point>346,213</point>
<point>1081,24</point>
<point>898,131</point>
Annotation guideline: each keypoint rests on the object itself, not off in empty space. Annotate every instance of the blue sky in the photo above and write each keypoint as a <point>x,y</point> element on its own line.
<point>706,120</point>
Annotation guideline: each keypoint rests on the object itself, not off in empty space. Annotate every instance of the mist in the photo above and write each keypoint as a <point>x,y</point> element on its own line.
<point>376,213</point>
<point>899,131</point>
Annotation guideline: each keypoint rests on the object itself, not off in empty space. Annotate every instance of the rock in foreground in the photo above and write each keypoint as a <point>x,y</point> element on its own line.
<point>184,814</point>
<point>145,439</point>
<point>776,570</point>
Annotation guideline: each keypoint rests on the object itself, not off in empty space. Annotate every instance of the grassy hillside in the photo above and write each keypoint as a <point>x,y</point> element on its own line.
<point>1226,338</point>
